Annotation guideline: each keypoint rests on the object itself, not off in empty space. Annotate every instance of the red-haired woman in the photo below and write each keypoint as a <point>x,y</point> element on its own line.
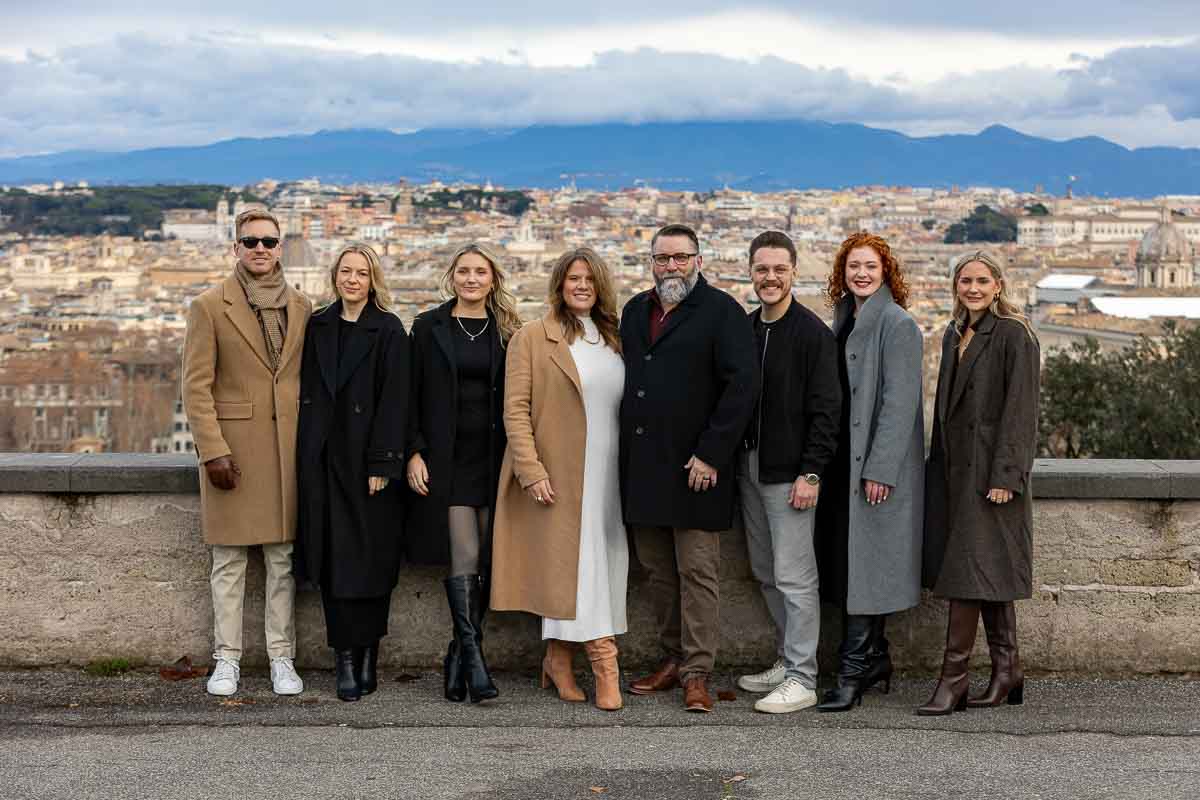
<point>870,514</point>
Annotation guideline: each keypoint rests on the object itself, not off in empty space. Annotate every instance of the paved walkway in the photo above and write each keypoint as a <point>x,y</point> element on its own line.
<point>64,734</point>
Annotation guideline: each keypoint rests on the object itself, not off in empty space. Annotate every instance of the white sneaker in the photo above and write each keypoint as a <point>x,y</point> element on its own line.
<point>791,695</point>
<point>764,681</point>
<point>284,679</point>
<point>224,679</point>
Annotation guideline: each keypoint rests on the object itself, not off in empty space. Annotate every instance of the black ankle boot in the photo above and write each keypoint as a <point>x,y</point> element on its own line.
<point>465,594</point>
<point>366,660</point>
<point>347,682</point>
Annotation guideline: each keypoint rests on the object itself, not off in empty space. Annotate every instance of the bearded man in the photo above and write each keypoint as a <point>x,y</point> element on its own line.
<point>690,386</point>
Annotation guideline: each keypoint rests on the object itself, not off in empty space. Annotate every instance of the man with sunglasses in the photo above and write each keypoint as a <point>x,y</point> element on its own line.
<point>241,391</point>
<point>690,378</point>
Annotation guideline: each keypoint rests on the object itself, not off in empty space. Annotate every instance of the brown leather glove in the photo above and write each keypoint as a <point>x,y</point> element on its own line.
<point>222,472</point>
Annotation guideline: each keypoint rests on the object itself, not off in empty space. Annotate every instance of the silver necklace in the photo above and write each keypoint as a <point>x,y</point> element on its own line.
<point>473,336</point>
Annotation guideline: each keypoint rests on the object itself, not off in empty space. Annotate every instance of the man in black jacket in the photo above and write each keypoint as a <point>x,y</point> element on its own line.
<point>792,436</point>
<point>690,379</point>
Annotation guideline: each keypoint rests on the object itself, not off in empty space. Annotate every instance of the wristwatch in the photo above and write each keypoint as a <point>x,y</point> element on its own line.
<point>811,478</point>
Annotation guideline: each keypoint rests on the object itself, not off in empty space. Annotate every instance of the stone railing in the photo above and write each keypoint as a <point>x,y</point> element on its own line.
<point>101,557</point>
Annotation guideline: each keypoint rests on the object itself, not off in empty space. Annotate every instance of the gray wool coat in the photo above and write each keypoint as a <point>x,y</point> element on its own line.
<point>984,437</point>
<point>887,445</point>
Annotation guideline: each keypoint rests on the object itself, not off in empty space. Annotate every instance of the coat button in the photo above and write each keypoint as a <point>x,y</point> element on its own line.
<point>856,423</point>
<point>648,356</point>
<point>640,430</point>
<point>641,393</point>
<point>853,356</point>
<point>858,458</point>
<point>389,455</point>
<point>854,390</point>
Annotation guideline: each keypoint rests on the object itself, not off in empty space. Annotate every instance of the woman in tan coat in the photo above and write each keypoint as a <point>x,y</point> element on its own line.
<point>560,547</point>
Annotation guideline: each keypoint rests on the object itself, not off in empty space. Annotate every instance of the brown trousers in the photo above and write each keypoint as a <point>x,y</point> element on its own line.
<point>684,569</point>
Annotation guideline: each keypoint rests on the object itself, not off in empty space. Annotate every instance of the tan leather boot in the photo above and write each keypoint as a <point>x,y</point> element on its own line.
<point>603,655</point>
<point>558,669</point>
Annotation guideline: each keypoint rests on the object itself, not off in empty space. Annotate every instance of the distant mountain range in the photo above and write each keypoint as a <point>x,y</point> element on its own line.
<point>761,156</point>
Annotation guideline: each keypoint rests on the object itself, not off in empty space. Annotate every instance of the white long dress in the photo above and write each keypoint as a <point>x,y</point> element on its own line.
<point>603,549</point>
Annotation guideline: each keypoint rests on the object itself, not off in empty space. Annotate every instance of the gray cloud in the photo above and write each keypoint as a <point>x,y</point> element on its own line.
<point>1070,18</point>
<point>135,91</point>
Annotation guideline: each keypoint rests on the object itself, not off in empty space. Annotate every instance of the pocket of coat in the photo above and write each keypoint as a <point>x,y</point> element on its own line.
<point>234,410</point>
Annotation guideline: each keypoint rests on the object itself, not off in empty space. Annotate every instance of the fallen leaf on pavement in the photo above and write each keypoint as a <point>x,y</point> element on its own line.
<point>405,677</point>
<point>182,670</point>
<point>598,790</point>
<point>735,779</point>
<point>726,695</point>
<point>246,701</point>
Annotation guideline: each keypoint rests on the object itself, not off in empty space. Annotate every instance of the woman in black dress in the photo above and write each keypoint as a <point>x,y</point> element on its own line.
<point>456,443</point>
<point>354,397</point>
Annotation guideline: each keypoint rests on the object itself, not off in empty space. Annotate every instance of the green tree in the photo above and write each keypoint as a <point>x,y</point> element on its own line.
<point>1140,402</point>
<point>984,224</point>
<point>1037,210</point>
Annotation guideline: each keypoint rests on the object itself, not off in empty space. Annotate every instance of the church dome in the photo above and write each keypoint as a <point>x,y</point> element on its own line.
<point>297,252</point>
<point>1165,243</point>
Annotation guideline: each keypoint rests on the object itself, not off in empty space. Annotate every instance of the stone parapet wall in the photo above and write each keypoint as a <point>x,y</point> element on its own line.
<point>101,557</point>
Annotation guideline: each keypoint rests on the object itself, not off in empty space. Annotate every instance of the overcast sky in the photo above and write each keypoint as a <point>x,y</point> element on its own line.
<point>127,74</point>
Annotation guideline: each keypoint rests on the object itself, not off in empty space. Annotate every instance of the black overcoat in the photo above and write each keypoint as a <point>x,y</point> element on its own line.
<point>432,428</point>
<point>690,393</point>
<point>984,437</point>
<point>353,425</point>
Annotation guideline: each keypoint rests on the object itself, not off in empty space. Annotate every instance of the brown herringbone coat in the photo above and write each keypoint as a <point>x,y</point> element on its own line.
<point>237,406</point>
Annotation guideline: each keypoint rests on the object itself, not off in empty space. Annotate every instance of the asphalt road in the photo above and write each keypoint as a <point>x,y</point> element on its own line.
<point>68,735</point>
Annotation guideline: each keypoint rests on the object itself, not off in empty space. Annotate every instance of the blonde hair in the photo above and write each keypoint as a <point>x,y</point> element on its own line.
<point>1001,306</point>
<point>250,216</point>
<point>500,301</point>
<point>378,291</point>
<point>604,312</point>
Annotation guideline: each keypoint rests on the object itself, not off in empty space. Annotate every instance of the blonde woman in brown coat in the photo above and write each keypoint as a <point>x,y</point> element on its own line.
<point>560,548</point>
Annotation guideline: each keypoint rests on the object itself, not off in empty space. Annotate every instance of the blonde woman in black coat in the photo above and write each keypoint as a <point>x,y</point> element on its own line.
<point>979,510</point>
<point>350,444</point>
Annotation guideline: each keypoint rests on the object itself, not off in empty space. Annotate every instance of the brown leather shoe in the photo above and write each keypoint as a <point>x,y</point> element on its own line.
<point>664,678</point>
<point>695,694</point>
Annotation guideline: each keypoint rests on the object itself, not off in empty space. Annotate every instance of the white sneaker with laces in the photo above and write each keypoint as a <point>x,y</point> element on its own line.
<point>284,679</point>
<point>791,695</point>
<point>224,679</point>
<point>764,681</point>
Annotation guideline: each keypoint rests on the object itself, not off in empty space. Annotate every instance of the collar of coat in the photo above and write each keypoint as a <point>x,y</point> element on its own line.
<point>871,312</point>
<point>238,309</point>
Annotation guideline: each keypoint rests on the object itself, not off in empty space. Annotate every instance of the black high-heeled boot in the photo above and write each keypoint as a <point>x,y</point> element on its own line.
<point>366,661</point>
<point>465,594</point>
<point>855,674</point>
<point>344,673</point>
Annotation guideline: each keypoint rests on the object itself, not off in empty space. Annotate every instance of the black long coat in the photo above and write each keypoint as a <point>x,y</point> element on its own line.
<point>984,437</point>
<point>432,430</point>
<point>353,425</point>
<point>690,393</point>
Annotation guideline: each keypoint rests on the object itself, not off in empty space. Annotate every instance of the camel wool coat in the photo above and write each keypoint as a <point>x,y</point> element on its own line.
<point>535,549</point>
<point>237,406</point>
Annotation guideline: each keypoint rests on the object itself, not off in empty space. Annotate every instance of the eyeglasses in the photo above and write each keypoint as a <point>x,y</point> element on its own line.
<point>251,242</point>
<point>680,259</point>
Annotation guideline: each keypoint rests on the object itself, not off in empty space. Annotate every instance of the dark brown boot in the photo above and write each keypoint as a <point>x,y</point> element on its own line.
<point>951,692</point>
<point>1008,680</point>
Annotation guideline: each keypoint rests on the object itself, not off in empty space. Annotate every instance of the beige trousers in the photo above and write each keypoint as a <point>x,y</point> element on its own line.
<point>228,581</point>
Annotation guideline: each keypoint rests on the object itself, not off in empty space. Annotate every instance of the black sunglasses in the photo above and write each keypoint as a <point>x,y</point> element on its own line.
<point>251,242</point>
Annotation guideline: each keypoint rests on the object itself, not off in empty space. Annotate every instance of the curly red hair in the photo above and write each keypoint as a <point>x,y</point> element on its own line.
<point>893,274</point>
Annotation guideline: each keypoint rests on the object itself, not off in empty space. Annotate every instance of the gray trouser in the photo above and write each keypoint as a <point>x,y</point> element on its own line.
<point>782,557</point>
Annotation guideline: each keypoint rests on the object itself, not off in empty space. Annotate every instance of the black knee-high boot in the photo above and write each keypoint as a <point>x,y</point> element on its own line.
<point>467,605</point>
